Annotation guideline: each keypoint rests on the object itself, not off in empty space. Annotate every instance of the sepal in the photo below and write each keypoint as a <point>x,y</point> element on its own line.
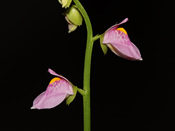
<point>103,46</point>
<point>72,97</point>
<point>74,15</point>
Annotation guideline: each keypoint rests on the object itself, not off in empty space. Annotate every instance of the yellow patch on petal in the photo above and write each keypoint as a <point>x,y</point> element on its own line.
<point>54,79</point>
<point>122,30</point>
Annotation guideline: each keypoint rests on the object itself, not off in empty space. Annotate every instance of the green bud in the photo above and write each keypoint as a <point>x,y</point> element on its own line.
<point>73,17</point>
<point>65,3</point>
<point>103,46</point>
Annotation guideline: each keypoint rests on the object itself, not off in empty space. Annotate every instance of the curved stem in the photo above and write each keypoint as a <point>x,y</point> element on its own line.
<point>87,67</point>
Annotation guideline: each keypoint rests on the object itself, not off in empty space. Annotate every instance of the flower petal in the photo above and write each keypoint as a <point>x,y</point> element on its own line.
<point>113,28</point>
<point>46,102</point>
<point>118,41</point>
<point>58,87</point>
<point>53,101</point>
<point>122,45</point>
<point>130,53</point>
<point>38,98</point>
<point>55,74</point>
<point>68,82</point>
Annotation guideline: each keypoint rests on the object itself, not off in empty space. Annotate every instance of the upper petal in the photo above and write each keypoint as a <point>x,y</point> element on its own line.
<point>58,87</point>
<point>55,74</point>
<point>116,25</point>
<point>68,82</point>
<point>106,35</point>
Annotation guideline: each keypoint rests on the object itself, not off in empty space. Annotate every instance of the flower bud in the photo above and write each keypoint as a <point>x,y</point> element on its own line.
<point>65,3</point>
<point>73,18</point>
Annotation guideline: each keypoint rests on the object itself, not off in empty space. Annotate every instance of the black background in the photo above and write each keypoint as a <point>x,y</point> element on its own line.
<point>125,95</point>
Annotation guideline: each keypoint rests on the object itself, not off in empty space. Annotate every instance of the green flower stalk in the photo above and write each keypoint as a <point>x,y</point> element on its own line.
<point>87,67</point>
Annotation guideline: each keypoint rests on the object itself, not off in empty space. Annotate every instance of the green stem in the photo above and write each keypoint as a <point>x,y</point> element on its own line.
<point>87,67</point>
<point>96,37</point>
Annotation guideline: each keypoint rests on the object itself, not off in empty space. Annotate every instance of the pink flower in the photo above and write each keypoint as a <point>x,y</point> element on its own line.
<point>118,41</point>
<point>58,89</point>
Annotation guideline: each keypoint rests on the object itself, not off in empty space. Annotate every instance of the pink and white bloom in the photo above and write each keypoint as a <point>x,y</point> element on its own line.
<point>118,41</point>
<point>58,89</point>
